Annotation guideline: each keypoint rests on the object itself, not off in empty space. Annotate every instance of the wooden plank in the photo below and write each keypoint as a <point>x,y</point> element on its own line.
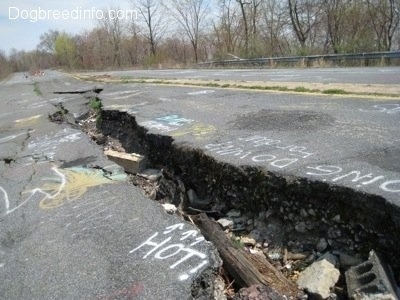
<point>131,162</point>
<point>245,268</point>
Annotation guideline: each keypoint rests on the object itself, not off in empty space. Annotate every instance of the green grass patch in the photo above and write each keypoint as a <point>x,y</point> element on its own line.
<point>335,92</point>
<point>301,89</point>
<point>254,87</point>
<point>36,89</point>
<point>281,88</point>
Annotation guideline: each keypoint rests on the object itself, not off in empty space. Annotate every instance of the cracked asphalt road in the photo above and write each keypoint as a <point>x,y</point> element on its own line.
<point>371,75</point>
<point>71,226</point>
<point>345,141</point>
<point>67,231</point>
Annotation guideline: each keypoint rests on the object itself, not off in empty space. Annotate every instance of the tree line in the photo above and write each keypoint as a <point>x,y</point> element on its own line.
<point>177,33</point>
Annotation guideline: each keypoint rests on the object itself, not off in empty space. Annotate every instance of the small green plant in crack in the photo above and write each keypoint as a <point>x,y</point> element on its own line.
<point>36,89</point>
<point>96,105</point>
<point>60,115</point>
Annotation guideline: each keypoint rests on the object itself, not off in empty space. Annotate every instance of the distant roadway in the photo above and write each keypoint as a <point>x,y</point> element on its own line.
<point>370,75</point>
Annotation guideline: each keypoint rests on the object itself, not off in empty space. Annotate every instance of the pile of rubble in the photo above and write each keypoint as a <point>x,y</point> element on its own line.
<point>318,269</point>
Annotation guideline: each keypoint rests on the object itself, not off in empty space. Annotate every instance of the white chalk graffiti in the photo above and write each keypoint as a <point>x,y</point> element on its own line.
<point>174,120</point>
<point>158,126</point>
<point>127,96</point>
<point>388,108</point>
<point>6,203</point>
<point>258,149</point>
<point>83,217</point>
<point>68,185</point>
<point>163,99</point>
<point>164,248</point>
<point>130,92</point>
<point>4,197</point>
<point>204,92</point>
<point>167,123</point>
<point>275,153</point>
<point>46,146</point>
<point>2,260</point>
<point>131,108</point>
<point>11,137</point>
<point>336,173</point>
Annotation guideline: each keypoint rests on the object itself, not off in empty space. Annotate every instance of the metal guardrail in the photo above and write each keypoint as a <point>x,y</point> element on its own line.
<point>307,60</point>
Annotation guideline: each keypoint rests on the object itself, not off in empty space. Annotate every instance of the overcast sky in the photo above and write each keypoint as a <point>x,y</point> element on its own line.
<point>23,21</point>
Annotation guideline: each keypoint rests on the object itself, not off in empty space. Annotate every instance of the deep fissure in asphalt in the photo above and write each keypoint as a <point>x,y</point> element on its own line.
<point>302,210</point>
<point>352,221</point>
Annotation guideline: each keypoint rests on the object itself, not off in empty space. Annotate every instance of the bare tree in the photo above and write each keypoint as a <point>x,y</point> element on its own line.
<point>113,27</point>
<point>90,48</point>
<point>227,29</point>
<point>274,26</point>
<point>242,5</point>
<point>385,16</point>
<point>155,26</point>
<point>358,34</point>
<point>335,12</point>
<point>254,5</point>
<point>47,41</point>
<point>134,46</point>
<point>5,66</point>
<point>304,16</point>
<point>255,16</point>
<point>191,16</point>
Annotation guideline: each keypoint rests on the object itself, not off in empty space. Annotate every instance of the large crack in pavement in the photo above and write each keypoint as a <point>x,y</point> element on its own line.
<point>306,211</point>
<point>298,213</point>
<point>204,285</point>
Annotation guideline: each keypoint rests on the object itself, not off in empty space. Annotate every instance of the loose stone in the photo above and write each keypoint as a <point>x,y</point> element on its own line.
<point>169,208</point>
<point>234,213</point>
<point>301,227</point>
<point>322,245</point>
<point>226,223</point>
<point>319,278</point>
<point>247,241</point>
